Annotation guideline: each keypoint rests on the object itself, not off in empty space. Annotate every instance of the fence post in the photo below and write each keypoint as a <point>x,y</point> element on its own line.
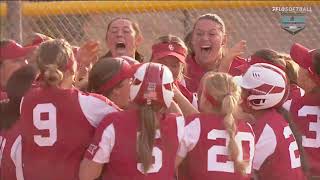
<point>187,21</point>
<point>14,19</point>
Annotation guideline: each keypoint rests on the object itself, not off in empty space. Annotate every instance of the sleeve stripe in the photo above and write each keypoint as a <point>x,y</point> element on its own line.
<point>287,105</point>
<point>94,109</point>
<point>16,156</point>
<point>21,104</point>
<point>2,143</point>
<point>190,138</point>
<point>105,145</point>
<point>180,127</point>
<point>195,100</point>
<point>265,146</point>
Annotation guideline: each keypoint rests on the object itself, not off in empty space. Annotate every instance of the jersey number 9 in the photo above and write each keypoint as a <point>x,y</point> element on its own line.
<point>49,124</point>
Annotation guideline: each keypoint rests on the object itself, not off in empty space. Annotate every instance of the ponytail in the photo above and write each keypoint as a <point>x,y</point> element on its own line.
<point>298,137</point>
<point>292,70</point>
<point>229,105</point>
<point>138,56</point>
<point>52,75</point>
<point>54,58</point>
<point>222,88</point>
<point>146,136</point>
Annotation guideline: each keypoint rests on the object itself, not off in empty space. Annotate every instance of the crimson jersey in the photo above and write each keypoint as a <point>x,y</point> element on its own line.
<point>57,126</point>
<point>306,114</point>
<point>276,155</point>
<point>10,153</point>
<point>294,94</point>
<point>115,143</point>
<point>205,144</point>
<point>195,72</point>
<point>192,97</point>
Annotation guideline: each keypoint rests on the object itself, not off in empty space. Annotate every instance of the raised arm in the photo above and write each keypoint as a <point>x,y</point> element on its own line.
<point>186,107</point>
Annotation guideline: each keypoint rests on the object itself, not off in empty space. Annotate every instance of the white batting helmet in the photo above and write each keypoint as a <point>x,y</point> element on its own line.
<point>266,84</point>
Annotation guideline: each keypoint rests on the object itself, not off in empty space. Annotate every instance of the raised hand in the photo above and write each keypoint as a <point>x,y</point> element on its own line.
<point>88,53</point>
<point>238,49</point>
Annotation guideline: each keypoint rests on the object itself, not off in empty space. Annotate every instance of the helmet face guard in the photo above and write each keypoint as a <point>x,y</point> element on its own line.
<point>266,86</point>
<point>152,84</point>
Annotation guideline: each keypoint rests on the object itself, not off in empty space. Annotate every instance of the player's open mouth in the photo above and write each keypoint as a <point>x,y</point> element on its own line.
<point>121,47</point>
<point>206,49</point>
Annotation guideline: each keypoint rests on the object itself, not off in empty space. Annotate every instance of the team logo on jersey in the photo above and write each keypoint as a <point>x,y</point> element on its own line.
<point>293,23</point>
<point>92,149</point>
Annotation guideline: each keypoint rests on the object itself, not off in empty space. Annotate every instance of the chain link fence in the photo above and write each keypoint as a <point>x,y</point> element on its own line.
<point>259,25</point>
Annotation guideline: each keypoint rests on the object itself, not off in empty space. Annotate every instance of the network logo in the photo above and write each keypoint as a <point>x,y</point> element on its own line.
<point>293,23</point>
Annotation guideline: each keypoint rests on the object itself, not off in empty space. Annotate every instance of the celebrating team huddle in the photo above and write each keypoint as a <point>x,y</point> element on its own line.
<point>195,110</point>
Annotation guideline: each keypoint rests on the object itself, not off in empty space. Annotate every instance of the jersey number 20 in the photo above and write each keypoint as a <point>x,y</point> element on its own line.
<point>215,150</point>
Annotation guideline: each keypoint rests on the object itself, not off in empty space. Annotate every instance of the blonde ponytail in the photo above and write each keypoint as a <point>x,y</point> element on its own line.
<point>292,71</point>
<point>54,58</point>
<point>229,104</point>
<point>223,89</point>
